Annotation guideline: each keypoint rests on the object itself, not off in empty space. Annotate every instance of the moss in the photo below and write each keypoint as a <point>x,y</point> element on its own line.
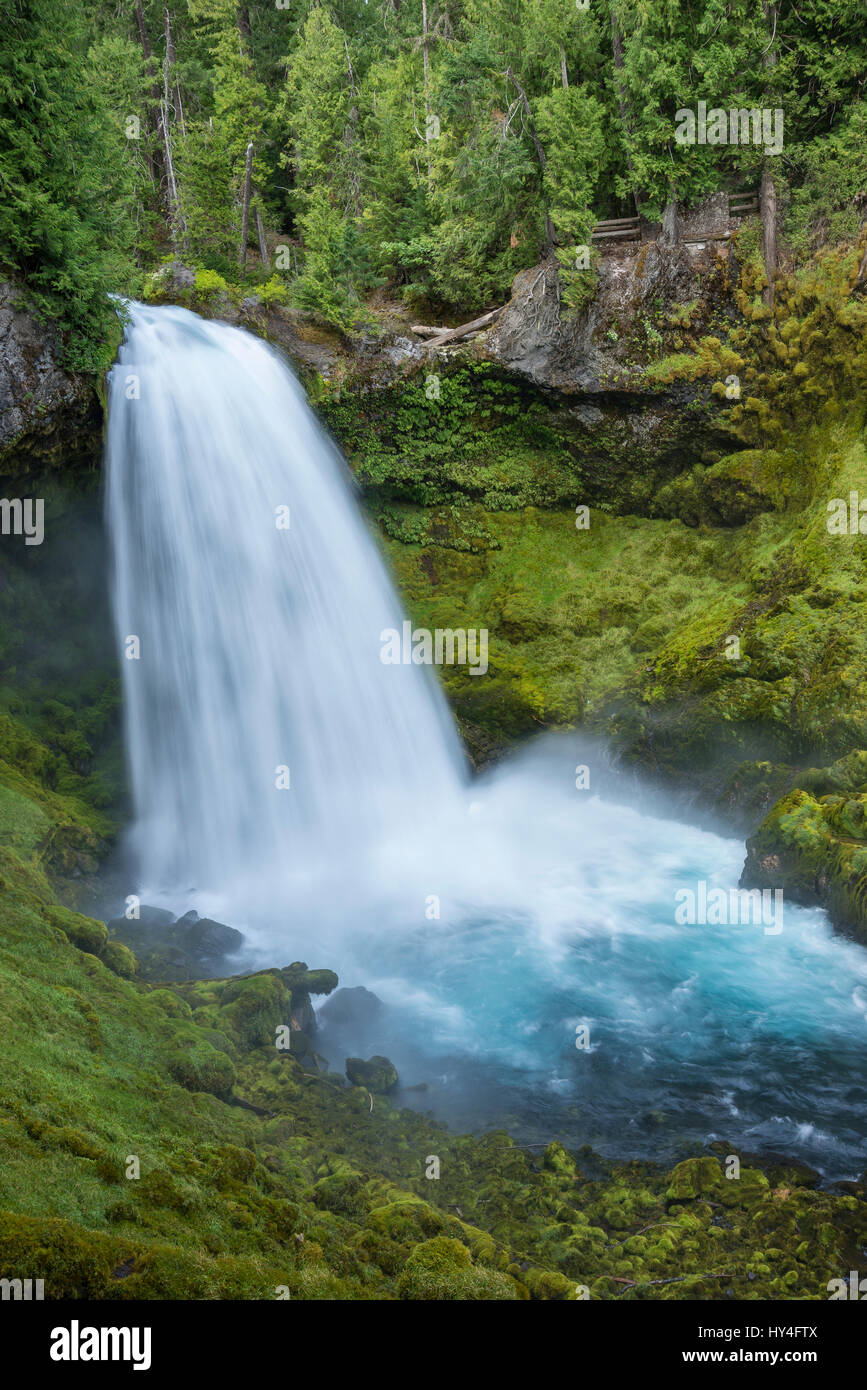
<point>311,981</point>
<point>202,1068</point>
<point>815,848</point>
<point>695,1177</point>
<point>170,1003</point>
<point>84,932</point>
<point>442,1269</point>
<point>254,1007</point>
<point>120,959</point>
<point>377,1074</point>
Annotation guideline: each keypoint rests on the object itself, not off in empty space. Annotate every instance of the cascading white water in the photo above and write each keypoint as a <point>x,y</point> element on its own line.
<point>554,907</point>
<point>259,642</point>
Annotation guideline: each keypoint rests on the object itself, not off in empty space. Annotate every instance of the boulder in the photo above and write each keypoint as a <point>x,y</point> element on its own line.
<point>377,1074</point>
<point>208,940</point>
<point>186,949</point>
<point>356,1007</point>
<point>46,413</point>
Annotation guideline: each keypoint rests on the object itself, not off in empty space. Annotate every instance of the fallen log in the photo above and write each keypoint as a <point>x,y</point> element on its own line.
<point>450,335</point>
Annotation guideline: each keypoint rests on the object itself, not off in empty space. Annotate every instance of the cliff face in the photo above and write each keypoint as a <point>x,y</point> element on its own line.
<point>47,415</point>
<point>644,292</point>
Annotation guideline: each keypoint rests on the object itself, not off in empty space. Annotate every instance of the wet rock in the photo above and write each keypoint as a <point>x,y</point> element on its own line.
<point>355,1007</point>
<point>46,413</point>
<point>377,1074</point>
<point>187,949</point>
<point>156,916</point>
<point>179,276</point>
<point>208,940</point>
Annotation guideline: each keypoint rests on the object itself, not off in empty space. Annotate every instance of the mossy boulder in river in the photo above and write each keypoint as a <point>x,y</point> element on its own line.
<point>815,849</point>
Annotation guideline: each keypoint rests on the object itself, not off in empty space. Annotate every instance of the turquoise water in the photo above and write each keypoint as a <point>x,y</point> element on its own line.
<point>559,913</point>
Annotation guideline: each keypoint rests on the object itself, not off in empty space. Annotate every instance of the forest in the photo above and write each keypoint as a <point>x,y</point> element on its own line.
<point>318,152</point>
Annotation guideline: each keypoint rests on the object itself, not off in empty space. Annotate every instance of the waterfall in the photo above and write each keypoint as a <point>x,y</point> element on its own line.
<point>500,921</point>
<point>269,746</point>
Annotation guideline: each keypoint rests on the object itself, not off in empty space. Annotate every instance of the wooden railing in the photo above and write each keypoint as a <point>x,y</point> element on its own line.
<point>624,228</point>
<point>743,204</point>
<point>629,228</point>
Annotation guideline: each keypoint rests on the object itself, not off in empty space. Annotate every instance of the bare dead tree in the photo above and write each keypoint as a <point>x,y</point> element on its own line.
<point>263,245</point>
<point>177,225</point>
<point>768,193</point>
<point>245,206</point>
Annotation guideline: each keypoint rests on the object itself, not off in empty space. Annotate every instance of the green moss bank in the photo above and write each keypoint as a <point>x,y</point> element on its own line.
<point>155,1143</point>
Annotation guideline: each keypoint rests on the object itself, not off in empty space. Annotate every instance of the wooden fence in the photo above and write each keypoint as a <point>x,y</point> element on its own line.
<point>629,228</point>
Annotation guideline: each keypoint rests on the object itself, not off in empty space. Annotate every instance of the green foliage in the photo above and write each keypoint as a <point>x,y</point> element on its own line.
<point>334,269</point>
<point>443,162</point>
<point>65,223</point>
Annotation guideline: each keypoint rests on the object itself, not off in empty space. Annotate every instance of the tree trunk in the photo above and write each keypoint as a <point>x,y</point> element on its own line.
<point>768,203</point>
<point>263,245</point>
<point>617,49</point>
<point>244,24</point>
<point>245,207</point>
<point>563,72</point>
<point>350,137</point>
<point>670,234</point>
<point>177,227</point>
<point>154,104</point>
<point>768,196</point>
<point>425,52</point>
<point>550,234</point>
<point>426,61</point>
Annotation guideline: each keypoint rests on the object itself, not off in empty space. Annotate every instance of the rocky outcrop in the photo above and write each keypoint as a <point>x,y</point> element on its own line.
<point>47,414</point>
<point>189,948</point>
<point>813,844</point>
<point>642,293</point>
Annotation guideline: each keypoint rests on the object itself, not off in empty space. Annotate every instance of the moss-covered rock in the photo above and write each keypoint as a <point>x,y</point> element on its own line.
<point>120,959</point>
<point>815,850</point>
<point>377,1074</point>
<point>200,1067</point>
<point>442,1269</point>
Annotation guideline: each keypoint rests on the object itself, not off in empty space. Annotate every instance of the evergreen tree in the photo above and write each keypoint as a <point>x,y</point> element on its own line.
<point>68,186</point>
